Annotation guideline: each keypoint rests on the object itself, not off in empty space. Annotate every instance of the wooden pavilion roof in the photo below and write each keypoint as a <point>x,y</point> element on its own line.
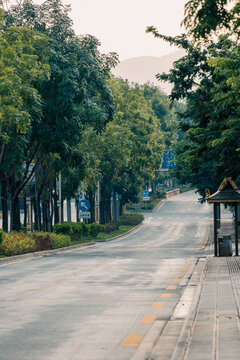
<point>228,192</point>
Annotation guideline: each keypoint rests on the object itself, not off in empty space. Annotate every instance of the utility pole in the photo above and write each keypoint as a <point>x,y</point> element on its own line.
<point>97,203</point>
<point>59,196</point>
<point>29,214</point>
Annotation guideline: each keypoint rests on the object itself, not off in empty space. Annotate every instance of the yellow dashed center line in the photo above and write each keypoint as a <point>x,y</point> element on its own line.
<point>60,280</point>
<point>180,274</point>
<point>158,305</point>
<point>177,280</point>
<point>148,319</point>
<point>21,296</point>
<point>171,287</point>
<point>166,295</point>
<point>44,287</point>
<point>133,340</point>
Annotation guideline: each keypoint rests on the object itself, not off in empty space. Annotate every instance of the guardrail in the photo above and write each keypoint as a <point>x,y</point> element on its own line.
<point>172,193</point>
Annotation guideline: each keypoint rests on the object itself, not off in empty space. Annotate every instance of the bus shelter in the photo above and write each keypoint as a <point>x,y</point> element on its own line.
<point>228,193</point>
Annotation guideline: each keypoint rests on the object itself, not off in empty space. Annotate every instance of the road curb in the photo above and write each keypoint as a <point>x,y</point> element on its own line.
<point>38,254</point>
<point>159,205</point>
<point>183,340</point>
<point>30,256</point>
<point>133,230</point>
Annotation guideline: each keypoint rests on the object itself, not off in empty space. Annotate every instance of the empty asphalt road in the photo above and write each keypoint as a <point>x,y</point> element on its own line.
<point>106,301</point>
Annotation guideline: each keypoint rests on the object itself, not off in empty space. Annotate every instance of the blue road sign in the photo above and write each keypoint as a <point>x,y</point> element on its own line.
<point>171,160</point>
<point>84,205</point>
<point>145,193</point>
<point>165,164</point>
<point>171,155</point>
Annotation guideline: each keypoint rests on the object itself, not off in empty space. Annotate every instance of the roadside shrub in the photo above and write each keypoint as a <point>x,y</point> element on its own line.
<point>77,231</point>
<point>64,228</point>
<point>95,229</point>
<point>85,229</point>
<point>115,223</point>
<point>42,241</point>
<point>16,244</point>
<point>59,240</point>
<point>161,194</point>
<point>131,219</point>
<point>153,196</point>
<point>111,226</point>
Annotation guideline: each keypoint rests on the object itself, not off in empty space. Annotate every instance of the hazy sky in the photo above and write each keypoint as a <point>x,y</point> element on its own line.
<point>120,25</point>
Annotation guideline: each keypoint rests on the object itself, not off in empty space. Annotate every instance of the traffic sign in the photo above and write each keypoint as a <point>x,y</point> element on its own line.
<point>165,164</point>
<point>84,205</point>
<point>85,215</point>
<point>145,193</point>
<point>146,198</point>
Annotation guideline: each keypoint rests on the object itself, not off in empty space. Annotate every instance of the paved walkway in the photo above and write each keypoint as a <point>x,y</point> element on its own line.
<point>211,329</point>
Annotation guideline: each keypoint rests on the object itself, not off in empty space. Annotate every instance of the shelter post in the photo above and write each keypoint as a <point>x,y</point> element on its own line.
<point>236,229</point>
<point>215,229</point>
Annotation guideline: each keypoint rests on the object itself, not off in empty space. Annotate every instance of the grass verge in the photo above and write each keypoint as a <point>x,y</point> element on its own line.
<point>104,236</point>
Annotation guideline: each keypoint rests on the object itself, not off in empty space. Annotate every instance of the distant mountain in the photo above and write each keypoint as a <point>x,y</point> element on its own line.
<point>144,68</point>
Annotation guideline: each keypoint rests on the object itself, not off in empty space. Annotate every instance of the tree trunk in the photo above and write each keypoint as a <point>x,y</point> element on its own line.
<point>56,213</point>
<point>77,210</point>
<point>37,209</point>
<point>14,205</point>
<point>14,213</point>
<point>92,205</point>
<point>105,211</point>
<point>62,212</point>
<point>49,223</point>
<point>4,200</point>
<point>25,211</point>
<point>44,210</point>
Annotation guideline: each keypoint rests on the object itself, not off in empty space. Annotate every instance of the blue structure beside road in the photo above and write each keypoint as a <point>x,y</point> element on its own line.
<point>84,205</point>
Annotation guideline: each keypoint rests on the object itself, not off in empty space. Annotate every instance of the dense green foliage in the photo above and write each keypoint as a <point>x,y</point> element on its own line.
<point>128,152</point>
<point>59,240</point>
<point>95,229</point>
<point>62,113</point>
<point>17,244</point>
<point>205,18</point>
<point>207,78</point>
<point>131,219</point>
<point>75,94</point>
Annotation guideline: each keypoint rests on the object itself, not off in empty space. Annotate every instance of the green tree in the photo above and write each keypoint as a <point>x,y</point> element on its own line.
<point>128,151</point>
<point>207,77</point>
<point>21,68</point>
<point>76,94</point>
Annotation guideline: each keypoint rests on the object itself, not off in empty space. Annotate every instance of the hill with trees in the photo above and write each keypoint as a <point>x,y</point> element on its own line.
<point>143,69</point>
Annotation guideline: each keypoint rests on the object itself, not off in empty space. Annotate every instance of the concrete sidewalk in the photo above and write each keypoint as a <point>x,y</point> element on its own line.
<point>211,328</point>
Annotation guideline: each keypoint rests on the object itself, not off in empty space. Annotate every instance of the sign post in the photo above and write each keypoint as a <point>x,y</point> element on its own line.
<point>84,207</point>
<point>146,198</point>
